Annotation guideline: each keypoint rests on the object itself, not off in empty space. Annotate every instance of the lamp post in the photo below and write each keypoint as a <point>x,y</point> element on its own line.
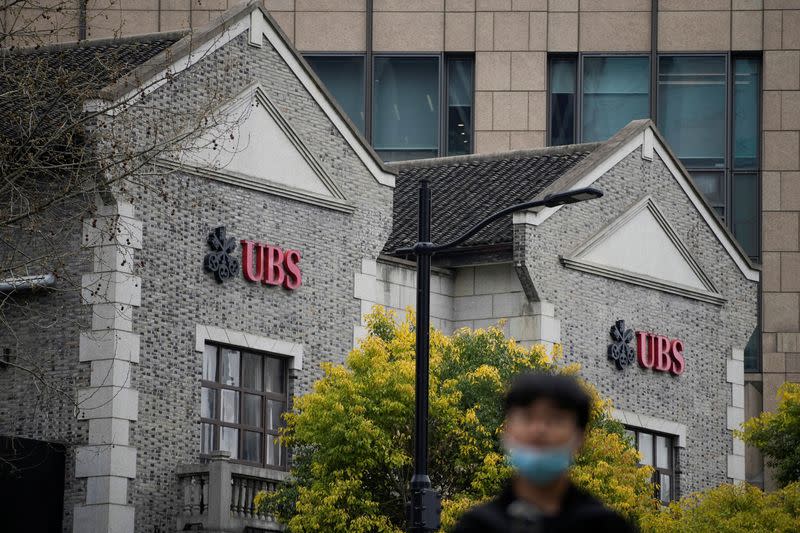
<point>425,502</point>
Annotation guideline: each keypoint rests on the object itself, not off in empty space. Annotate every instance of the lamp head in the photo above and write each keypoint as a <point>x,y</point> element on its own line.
<point>572,197</point>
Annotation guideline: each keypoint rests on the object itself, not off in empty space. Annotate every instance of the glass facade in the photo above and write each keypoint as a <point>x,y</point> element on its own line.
<point>344,78</point>
<point>405,107</point>
<point>615,91</point>
<point>422,105</point>
<point>707,108</point>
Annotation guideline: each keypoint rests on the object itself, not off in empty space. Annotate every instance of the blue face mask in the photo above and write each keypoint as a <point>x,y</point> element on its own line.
<point>537,465</point>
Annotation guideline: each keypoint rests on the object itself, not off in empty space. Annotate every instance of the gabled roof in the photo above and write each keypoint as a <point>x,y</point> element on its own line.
<point>63,76</point>
<point>465,189</point>
<point>252,18</point>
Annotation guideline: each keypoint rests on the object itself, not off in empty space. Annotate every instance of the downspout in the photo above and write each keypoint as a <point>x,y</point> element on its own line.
<point>653,60</point>
<point>23,283</point>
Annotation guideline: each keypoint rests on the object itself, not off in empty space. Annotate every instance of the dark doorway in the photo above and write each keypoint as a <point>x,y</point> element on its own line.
<point>31,485</point>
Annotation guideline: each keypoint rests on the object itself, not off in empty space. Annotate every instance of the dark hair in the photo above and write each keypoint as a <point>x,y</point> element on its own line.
<point>564,391</point>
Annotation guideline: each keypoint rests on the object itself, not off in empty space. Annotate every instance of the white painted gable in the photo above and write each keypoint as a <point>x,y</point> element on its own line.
<point>253,145</point>
<point>641,247</point>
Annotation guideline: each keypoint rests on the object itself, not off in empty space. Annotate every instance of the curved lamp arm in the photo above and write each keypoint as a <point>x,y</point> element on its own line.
<point>551,200</point>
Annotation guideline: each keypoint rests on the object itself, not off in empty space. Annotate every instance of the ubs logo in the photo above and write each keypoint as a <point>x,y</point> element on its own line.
<point>620,351</point>
<point>652,352</point>
<point>219,260</point>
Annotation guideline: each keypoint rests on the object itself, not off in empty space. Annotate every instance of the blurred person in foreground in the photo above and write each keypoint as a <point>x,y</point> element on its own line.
<point>544,428</point>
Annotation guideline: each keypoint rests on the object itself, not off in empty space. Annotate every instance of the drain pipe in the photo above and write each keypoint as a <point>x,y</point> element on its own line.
<point>27,283</point>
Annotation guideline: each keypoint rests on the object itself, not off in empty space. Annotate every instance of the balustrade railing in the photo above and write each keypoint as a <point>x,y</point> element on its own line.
<point>218,496</point>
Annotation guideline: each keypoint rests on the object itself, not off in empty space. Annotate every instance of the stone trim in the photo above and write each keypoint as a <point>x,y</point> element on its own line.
<point>336,201</point>
<point>536,217</point>
<point>735,413</point>
<point>242,339</point>
<point>652,423</point>
<point>109,403</point>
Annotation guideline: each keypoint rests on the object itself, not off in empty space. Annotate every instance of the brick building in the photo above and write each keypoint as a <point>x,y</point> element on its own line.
<point>176,358</point>
<point>720,78</point>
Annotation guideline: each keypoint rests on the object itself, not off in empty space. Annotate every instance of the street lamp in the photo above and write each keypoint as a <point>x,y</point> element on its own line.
<point>425,502</point>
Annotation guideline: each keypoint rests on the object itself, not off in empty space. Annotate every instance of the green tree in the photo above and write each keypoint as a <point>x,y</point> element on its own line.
<point>777,435</point>
<point>730,509</point>
<point>352,435</point>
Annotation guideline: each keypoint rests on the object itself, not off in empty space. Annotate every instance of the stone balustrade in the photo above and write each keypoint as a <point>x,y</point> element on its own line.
<point>218,496</point>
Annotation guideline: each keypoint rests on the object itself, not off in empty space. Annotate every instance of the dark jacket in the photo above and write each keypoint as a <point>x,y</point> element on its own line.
<point>579,512</point>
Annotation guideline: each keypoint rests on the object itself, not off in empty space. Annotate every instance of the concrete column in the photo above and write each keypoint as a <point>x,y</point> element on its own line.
<point>219,493</point>
<point>109,404</point>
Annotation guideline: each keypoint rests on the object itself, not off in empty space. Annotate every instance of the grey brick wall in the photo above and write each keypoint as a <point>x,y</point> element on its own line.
<point>178,211</point>
<point>588,305</point>
<point>42,330</point>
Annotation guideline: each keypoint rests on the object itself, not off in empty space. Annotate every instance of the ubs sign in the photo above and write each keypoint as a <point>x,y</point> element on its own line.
<point>653,351</point>
<point>266,263</point>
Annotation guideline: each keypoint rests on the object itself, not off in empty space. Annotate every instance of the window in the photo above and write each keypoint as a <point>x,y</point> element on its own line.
<point>707,108</point>
<point>421,105</point>
<point>242,400</point>
<point>344,78</point>
<point>616,90</point>
<point>657,451</point>
<point>609,92</point>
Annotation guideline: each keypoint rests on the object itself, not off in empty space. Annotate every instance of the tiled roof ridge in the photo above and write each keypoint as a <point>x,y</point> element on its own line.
<point>98,43</point>
<point>495,156</point>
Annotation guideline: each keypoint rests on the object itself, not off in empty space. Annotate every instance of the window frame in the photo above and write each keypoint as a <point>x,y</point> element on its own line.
<point>577,125</point>
<point>443,80</point>
<point>217,422</point>
<point>671,470</point>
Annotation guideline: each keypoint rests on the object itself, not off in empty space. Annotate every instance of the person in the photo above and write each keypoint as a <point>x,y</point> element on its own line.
<point>544,428</point>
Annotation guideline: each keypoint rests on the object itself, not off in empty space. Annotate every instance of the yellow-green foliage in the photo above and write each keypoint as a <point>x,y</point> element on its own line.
<point>777,434</point>
<point>351,436</point>
<point>730,509</point>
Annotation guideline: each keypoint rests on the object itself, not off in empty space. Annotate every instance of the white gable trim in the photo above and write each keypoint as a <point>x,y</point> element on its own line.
<point>535,218</point>
<point>577,260</point>
<point>380,175</point>
<point>258,26</point>
<point>709,217</point>
<point>336,201</point>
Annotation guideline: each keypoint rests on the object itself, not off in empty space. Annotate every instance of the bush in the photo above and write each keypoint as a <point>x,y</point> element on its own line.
<point>351,436</point>
<point>777,435</point>
<point>729,509</point>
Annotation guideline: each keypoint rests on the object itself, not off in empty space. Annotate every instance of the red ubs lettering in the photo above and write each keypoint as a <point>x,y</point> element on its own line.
<point>270,265</point>
<point>660,353</point>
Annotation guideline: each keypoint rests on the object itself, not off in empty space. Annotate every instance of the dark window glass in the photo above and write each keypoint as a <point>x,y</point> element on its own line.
<point>691,108</point>
<point>245,419</point>
<point>251,446</point>
<point>744,223</point>
<point>657,451</point>
<point>344,78</point>
<point>752,359</point>
<point>210,363</point>
<point>275,374</point>
<point>711,184</point>
<point>616,90</point>
<point>252,374</point>
<point>405,114</point>
<point>459,106</point>
<point>562,100</point>
<point>746,91</point>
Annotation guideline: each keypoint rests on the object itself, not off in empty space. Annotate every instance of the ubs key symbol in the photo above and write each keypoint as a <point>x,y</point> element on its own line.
<point>620,351</point>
